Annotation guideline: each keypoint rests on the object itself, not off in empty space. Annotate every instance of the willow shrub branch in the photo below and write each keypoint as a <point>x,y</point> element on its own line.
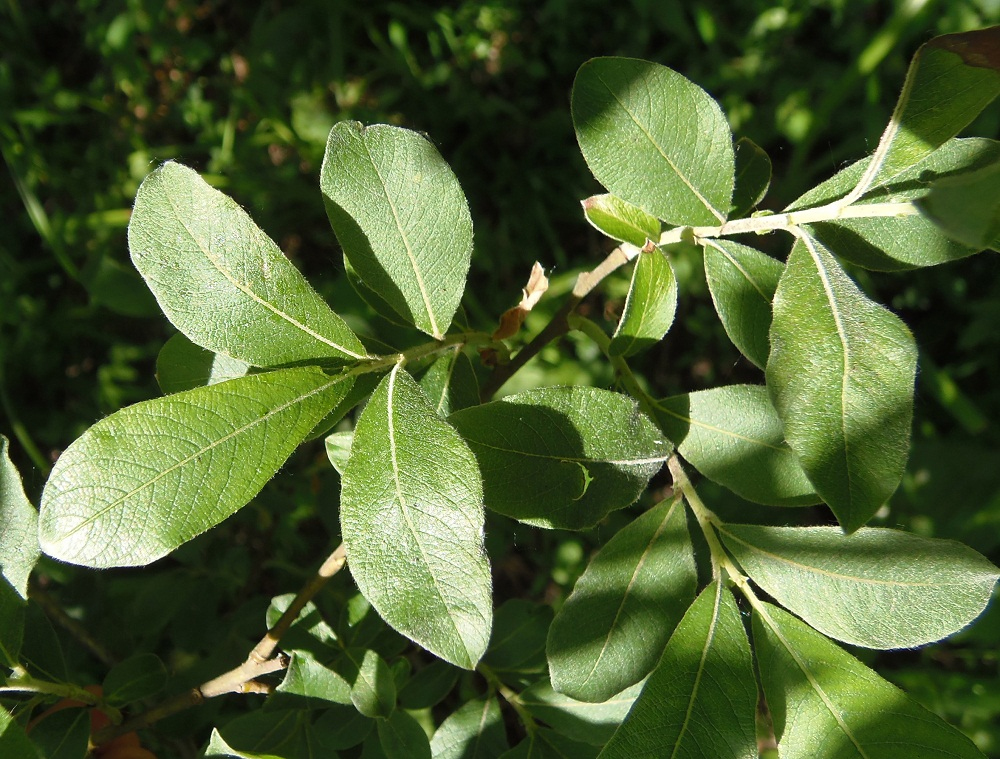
<point>242,679</point>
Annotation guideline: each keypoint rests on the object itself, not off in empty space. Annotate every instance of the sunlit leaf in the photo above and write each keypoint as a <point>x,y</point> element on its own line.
<point>649,307</point>
<point>614,625</point>
<point>150,477</point>
<point>19,534</point>
<point>412,521</point>
<point>621,221</point>
<point>854,587</point>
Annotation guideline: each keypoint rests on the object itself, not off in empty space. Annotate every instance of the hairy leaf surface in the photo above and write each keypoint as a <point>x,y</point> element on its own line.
<point>654,139</point>
<point>649,307</point>
<point>733,436</point>
<point>701,699</point>
<point>150,477</point>
<point>19,521</point>
<point>562,457</point>
<point>620,220</point>
<point>223,282</point>
<point>614,625</point>
<point>402,219</point>
<point>412,521</point>
<point>854,587</point>
<point>825,704</point>
<point>841,375</point>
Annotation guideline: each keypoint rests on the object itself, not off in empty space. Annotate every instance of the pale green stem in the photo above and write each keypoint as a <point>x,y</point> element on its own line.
<point>510,696</point>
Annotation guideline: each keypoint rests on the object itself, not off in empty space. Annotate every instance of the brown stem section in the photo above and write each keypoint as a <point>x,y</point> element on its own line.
<point>242,679</point>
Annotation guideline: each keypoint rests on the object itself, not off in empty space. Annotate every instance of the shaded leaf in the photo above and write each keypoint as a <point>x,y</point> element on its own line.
<point>224,283</point>
<point>620,220</point>
<point>614,625</point>
<point>373,690</point>
<point>700,702</point>
<point>285,734</point>
<point>402,737</point>
<point>182,365</point>
<point>401,218</point>
<point>150,477</point>
<point>649,307</point>
<point>138,677</point>
<point>825,704</point>
<point>12,610</point>
<point>855,588</point>
<point>450,383</point>
<point>841,376</point>
<point>429,685</point>
<point>13,741</point>
<point>586,721</point>
<point>753,176</point>
<point>967,207</point>
<point>412,521</point>
<point>311,684</point>
<point>742,281</point>
<point>733,436</point>
<point>654,139</point>
<point>548,744</point>
<point>517,646</point>
<point>343,727</point>
<point>562,457</point>
<point>63,735</point>
<point>473,731</point>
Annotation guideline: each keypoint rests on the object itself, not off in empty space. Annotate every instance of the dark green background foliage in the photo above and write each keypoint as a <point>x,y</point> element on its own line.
<point>93,95</point>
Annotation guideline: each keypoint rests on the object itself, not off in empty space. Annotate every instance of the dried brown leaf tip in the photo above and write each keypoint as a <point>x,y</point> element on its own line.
<point>513,318</point>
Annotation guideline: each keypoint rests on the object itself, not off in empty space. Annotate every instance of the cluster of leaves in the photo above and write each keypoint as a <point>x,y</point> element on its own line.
<point>637,660</point>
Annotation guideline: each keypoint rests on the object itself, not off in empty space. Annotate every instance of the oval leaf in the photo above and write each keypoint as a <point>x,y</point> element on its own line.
<point>733,436</point>
<point>401,218</point>
<point>614,625</point>
<point>138,677</point>
<point>562,457</point>
<point>649,307</point>
<point>742,281</point>
<point>825,704</point>
<point>701,699</point>
<point>473,731</point>
<point>373,690</point>
<point>654,139</point>
<point>224,283</point>
<point>19,536</point>
<point>402,737</point>
<point>841,375</point>
<point>753,176</point>
<point>620,220</point>
<point>853,587</point>
<point>150,477</point>
<point>451,383</point>
<point>412,520</point>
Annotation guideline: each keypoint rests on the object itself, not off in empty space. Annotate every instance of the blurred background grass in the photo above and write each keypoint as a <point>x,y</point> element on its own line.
<point>93,94</point>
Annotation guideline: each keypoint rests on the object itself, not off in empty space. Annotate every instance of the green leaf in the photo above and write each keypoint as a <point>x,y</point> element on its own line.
<point>338,449</point>
<point>63,735</point>
<point>41,651</point>
<point>590,722</point>
<point>13,741</point>
<point>562,457</point>
<point>401,218</point>
<point>654,139</point>
<point>12,611</point>
<point>182,365</point>
<point>412,521</point>
<point>138,677</point>
<point>700,702</point>
<point>309,684</point>
<point>841,375</point>
<point>402,737</point>
<point>373,690</point>
<point>825,704</point>
<point>309,631</point>
<point>473,731</point>
<point>428,686</point>
<point>951,79</point>
<point>343,727</point>
<point>224,283</point>
<point>548,744</point>
<point>285,734</point>
<point>152,476</point>
<point>967,207</point>
<point>620,220</point>
<point>118,287</point>
<point>451,383</point>
<point>517,646</point>
<point>614,625</point>
<point>649,307</point>
<point>895,243</point>
<point>742,281</point>
<point>19,534</point>
<point>733,436</point>
<point>753,176</point>
<point>853,588</point>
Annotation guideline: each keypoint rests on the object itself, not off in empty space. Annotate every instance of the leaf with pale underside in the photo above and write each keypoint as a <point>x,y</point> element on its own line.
<point>223,282</point>
<point>412,520</point>
<point>649,307</point>
<point>742,281</point>
<point>701,699</point>
<point>898,242</point>
<point>402,219</point>
<point>951,79</point>
<point>967,207</point>
<point>152,476</point>
<point>841,375</point>
<point>614,625</point>
<point>562,457</point>
<point>18,526</point>
<point>654,139</point>
<point>733,436</point>
<point>852,587</point>
<point>620,220</point>
<point>825,704</point>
